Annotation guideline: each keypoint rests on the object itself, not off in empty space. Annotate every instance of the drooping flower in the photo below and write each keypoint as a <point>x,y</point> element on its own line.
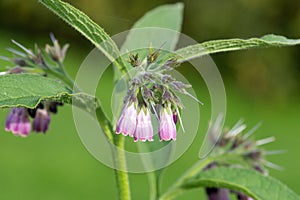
<point>144,129</point>
<point>41,121</point>
<point>128,121</point>
<point>167,127</point>
<point>154,91</point>
<point>18,122</point>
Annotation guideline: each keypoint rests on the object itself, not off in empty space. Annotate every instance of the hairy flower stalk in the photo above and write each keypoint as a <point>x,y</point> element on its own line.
<point>152,91</point>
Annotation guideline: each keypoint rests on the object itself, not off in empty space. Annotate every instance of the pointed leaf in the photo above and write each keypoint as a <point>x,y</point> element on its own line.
<point>165,17</point>
<point>88,28</point>
<point>216,46</point>
<point>27,90</point>
<point>250,182</point>
<point>159,27</point>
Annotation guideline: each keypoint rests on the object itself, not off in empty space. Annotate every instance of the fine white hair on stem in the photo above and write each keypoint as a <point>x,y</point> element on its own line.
<point>265,141</point>
<point>180,120</point>
<point>19,53</point>
<point>274,152</point>
<point>22,47</point>
<point>251,131</point>
<point>273,166</point>
<point>4,58</point>
<point>215,128</point>
<point>235,131</point>
<point>154,110</point>
<point>193,98</point>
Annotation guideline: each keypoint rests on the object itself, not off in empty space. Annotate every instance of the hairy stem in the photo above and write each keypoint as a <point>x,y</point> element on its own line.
<point>121,169</point>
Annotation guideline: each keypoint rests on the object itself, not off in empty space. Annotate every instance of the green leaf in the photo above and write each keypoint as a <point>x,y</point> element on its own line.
<point>216,46</point>
<point>166,17</point>
<point>159,27</point>
<point>249,182</point>
<point>88,28</point>
<point>27,90</point>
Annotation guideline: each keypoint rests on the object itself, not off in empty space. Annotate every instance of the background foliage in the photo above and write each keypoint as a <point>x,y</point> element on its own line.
<point>261,85</point>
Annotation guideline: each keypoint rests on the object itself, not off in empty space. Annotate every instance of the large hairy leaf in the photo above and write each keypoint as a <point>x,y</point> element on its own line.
<point>88,28</point>
<point>144,30</point>
<point>216,46</point>
<point>250,182</point>
<point>27,90</point>
<point>158,28</point>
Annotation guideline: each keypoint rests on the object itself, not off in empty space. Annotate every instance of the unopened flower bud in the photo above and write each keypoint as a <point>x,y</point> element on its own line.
<point>41,121</point>
<point>20,62</point>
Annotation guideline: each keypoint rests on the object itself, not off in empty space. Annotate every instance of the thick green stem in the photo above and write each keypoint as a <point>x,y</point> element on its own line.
<point>117,147</point>
<point>121,169</point>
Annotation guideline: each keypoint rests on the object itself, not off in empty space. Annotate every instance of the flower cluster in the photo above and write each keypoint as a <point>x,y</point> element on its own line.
<point>151,91</point>
<point>45,62</point>
<point>18,121</point>
<point>247,151</point>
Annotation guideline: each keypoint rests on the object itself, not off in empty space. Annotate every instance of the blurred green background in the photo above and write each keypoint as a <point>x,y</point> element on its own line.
<point>262,85</point>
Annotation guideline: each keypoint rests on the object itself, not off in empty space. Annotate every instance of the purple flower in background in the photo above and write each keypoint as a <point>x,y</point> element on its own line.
<point>144,130</point>
<point>217,194</point>
<point>41,121</point>
<point>167,128</point>
<point>128,120</point>
<point>18,122</point>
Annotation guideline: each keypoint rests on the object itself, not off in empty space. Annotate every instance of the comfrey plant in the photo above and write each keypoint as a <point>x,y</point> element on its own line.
<point>152,91</point>
<point>234,166</point>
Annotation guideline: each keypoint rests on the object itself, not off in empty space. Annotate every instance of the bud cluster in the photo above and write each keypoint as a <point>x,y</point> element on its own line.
<point>152,91</point>
<point>47,61</point>
<point>246,151</point>
<point>42,61</point>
